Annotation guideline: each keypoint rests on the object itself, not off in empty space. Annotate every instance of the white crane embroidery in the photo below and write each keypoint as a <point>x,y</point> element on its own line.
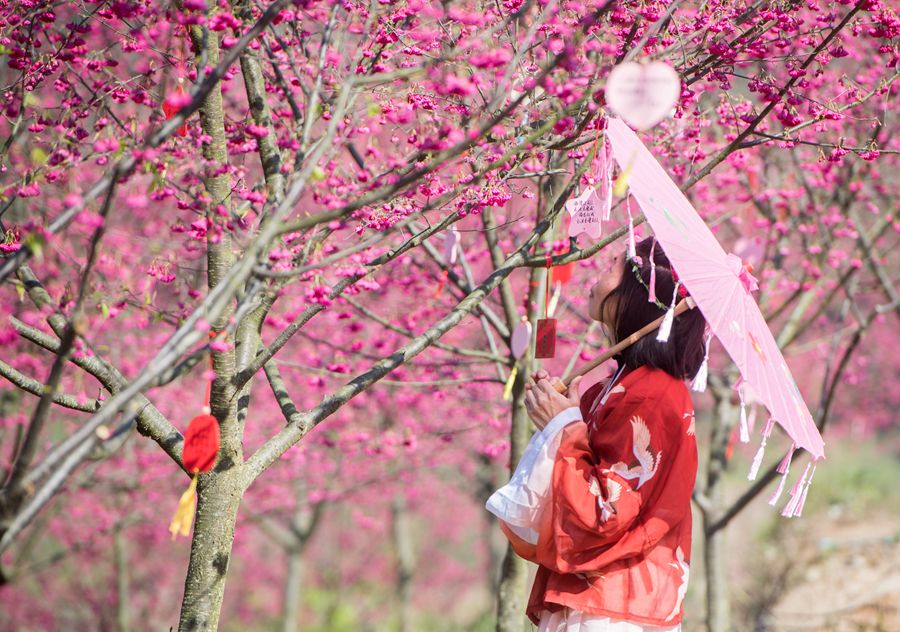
<point>614,490</point>
<point>647,463</point>
<point>682,588</point>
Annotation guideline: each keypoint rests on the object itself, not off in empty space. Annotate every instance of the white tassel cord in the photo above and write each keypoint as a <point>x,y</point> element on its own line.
<point>632,247</point>
<point>799,509</point>
<point>778,490</point>
<point>757,460</point>
<point>607,184</point>
<point>698,384</point>
<point>745,430</point>
<point>744,427</point>
<point>665,329</point>
<point>791,505</point>
<point>785,464</point>
<point>784,469</point>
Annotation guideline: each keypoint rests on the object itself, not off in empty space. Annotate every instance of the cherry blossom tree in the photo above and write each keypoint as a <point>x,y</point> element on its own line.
<point>338,213</point>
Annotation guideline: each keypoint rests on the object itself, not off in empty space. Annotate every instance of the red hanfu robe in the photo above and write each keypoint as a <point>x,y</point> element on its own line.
<point>614,538</point>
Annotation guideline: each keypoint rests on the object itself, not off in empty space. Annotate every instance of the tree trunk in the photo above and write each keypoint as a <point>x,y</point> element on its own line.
<point>121,557</point>
<point>220,491</point>
<point>717,607</point>
<point>290,609</point>
<point>219,497</point>
<point>405,561</point>
<point>514,571</point>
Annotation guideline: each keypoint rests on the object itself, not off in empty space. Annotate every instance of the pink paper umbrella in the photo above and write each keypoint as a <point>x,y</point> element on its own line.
<point>722,288</point>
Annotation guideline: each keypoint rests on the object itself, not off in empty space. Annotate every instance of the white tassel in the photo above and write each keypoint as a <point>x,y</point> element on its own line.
<point>799,509</point>
<point>757,460</point>
<point>784,469</point>
<point>796,493</point>
<point>607,185</point>
<point>745,430</point>
<point>698,384</point>
<point>632,248</point>
<point>785,464</point>
<point>775,496</point>
<point>665,329</point>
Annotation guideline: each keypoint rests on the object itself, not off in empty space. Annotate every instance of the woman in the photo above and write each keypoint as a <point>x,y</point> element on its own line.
<point>601,498</point>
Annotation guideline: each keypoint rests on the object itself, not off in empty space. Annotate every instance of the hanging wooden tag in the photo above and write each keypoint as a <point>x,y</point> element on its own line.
<point>585,213</point>
<point>545,344</point>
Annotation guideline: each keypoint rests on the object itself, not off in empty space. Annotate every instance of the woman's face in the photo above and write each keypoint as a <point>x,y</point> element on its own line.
<point>609,280</point>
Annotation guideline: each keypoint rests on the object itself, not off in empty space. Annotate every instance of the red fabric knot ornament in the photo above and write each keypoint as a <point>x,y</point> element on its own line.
<point>201,444</point>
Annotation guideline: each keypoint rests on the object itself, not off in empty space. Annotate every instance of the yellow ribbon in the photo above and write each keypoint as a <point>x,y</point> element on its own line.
<point>507,388</point>
<point>184,515</point>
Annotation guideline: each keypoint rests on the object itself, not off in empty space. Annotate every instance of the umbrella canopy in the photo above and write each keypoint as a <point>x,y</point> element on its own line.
<point>721,287</point>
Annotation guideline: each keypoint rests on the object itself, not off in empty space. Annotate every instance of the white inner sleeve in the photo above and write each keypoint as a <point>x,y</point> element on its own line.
<point>520,502</point>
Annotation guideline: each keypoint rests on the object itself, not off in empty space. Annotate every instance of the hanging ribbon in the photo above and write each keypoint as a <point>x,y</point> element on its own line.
<point>507,388</point>
<point>201,446</point>
<point>632,246</point>
<point>450,247</point>
<point>173,103</point>
<point>545,343</point>
<point>441,283</point>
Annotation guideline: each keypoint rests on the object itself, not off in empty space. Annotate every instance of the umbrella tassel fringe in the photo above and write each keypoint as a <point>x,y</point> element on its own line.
<point>785,464</point>
<point>665,329</point>
<point>791,507</point>
<point>799,510</point>
<point>745,429</point>
<point>632,247</point>
<point>778,490</point>
<point>784,469</point>
<point>698,384</point>
<point>757,461</point>
<point>607,185</point>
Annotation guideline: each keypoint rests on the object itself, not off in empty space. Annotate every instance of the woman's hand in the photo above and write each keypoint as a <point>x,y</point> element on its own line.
<point>543,402</point>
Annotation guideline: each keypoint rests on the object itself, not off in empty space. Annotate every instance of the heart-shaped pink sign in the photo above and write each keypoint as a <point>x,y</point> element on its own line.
<point>521,338</point>
<point>643,95</point>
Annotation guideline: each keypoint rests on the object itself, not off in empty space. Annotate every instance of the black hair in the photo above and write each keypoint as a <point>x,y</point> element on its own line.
<point>680,356</point>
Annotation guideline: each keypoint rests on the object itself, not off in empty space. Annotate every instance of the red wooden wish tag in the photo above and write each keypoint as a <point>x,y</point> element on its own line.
<point>545,344</point>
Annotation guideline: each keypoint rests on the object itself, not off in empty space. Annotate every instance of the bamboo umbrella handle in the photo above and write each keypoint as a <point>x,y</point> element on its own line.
<point>683,305</point>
